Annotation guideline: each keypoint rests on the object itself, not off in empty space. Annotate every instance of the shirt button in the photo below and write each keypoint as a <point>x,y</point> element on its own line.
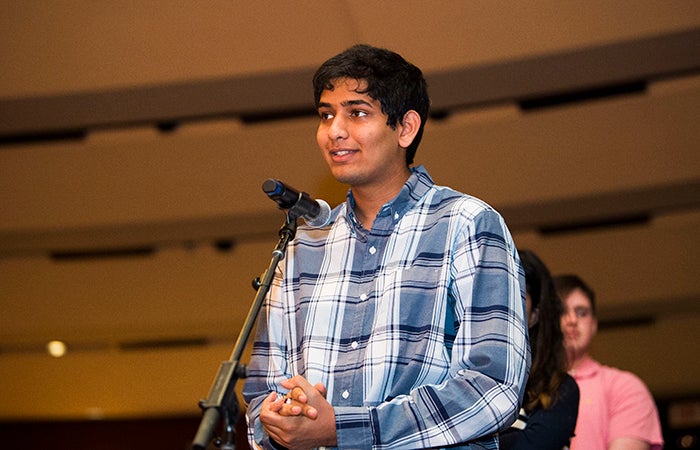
<point>346,394</point>
<point>354,344</point>
<point>396,216</point>
<point>372,250</point>
<point>363,297</point>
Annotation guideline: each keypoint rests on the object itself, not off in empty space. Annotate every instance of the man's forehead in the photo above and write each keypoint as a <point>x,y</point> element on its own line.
<point>351,84</point>
<point>578,298</point>
<point>348,93</point>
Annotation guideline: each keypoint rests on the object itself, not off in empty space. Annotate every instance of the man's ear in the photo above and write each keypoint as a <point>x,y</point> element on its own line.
<point>408,128</point>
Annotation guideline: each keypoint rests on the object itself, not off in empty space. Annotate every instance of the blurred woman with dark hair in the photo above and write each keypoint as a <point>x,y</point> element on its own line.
<point>548,417</point>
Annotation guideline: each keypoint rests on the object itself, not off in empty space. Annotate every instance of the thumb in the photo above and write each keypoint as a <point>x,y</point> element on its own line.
<point>321,389</point>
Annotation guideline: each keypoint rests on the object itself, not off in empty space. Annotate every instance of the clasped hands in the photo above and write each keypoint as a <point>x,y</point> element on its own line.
<point>301,419</point>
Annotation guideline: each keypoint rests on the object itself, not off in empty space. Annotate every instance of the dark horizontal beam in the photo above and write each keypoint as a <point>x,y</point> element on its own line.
<point>607,209</point>
<point>585,69</point>
<point>185,101</point>
<point>565,215</point>
<point>288,94</point>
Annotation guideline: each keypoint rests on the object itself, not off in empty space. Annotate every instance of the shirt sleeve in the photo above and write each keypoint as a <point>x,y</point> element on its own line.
<point>633,412</point>
<point>268,365</point>
<point>548,429</point>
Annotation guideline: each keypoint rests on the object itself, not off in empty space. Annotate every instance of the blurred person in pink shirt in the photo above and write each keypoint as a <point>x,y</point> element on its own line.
<point>616,409</point>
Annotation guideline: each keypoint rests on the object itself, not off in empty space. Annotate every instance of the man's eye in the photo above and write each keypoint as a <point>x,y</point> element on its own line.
<point>325,115</point>
<point>581,312</point>
<point>358,113</point>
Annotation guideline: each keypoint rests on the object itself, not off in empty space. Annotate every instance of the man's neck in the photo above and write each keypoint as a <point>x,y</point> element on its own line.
<point>370,199</point>
<point>576,360</point>
<point>367,207</point>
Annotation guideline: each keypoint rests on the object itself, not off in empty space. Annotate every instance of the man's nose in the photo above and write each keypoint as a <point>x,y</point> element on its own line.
<point>338,129</point>
<point>569,317</point>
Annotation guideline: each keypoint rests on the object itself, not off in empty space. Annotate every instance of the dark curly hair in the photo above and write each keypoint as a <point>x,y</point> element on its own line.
<point>398,85</point>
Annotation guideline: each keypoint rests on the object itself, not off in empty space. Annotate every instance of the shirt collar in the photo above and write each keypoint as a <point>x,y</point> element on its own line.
<point>418,183</point>
<point>587,368</point>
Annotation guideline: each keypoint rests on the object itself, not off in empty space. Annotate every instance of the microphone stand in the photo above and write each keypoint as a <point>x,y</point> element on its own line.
<point>222,400</point>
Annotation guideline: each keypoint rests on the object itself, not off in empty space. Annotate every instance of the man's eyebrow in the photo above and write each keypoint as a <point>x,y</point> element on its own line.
<point>356,102</point>
<point>346,103</point>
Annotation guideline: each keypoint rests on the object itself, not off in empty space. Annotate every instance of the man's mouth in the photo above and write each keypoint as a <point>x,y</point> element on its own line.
<point>342,152</point>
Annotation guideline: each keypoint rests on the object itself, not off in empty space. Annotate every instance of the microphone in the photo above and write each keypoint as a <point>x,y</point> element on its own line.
<point>316,213</point>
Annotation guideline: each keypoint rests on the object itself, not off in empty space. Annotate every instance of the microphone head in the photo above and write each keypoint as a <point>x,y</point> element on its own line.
<point>322,218</point>
<point>272,186</point>
<point>285,196</point>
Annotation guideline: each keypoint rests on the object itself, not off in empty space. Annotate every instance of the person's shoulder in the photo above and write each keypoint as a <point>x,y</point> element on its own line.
<point>440,194</point>
<point>617,373</point>
<point>569,382</point>
<point>623,382</point>
<point>448,202</point>
<point>569,387</point>
<point>466,202</point>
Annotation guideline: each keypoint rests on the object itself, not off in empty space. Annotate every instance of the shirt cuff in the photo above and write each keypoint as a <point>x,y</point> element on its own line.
<point>353,427</point>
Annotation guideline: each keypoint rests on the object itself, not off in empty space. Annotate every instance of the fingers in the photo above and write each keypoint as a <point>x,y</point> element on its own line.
<point>309,411</point>
<point>281,417</point>
<point>282,405</point>
<point>272,402</point>
<point>297,381</point>
<point>295,404</point>
<point>298,394</point>
<point>303,386</point>
<point>304,395</point>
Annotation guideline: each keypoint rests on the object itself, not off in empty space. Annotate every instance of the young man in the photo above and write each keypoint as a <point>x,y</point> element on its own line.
<point>401,324</point>
<point>616,410</point>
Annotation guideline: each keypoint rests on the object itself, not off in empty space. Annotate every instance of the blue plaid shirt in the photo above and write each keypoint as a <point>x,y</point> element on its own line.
<point>416,327</point>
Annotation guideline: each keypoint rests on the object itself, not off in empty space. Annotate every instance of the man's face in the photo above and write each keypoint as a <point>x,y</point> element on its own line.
<point>578,323</point>
<point>358,145</point>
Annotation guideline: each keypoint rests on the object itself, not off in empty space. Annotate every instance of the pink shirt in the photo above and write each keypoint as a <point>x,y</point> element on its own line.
<point>613,404</point>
